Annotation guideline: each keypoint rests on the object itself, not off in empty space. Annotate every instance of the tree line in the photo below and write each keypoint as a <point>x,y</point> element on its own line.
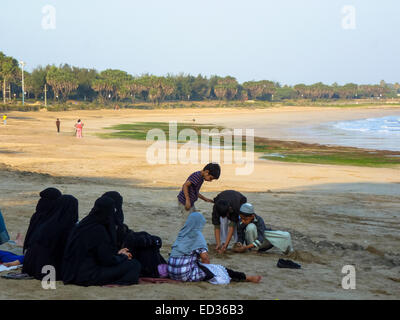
<point>64,82</point>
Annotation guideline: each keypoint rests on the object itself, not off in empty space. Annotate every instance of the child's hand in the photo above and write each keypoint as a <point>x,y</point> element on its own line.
<point>188,205</point>
<point>223,248</point>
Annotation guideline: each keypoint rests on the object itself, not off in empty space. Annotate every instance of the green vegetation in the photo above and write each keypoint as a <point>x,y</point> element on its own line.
<point>138,131</point>
<point>110,87</point>
<point>287,151</point>
<point>341,158</point>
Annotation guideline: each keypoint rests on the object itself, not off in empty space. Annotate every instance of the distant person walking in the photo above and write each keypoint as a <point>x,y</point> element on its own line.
<point>4,119</point>
<point>58,122</point>
<point>79,126</point>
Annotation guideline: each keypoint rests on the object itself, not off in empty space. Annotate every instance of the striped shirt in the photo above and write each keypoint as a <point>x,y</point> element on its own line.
<point>197,180</point>
<point>186,268</point>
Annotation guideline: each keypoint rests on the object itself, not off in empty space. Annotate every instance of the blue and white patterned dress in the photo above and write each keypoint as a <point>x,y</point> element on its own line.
<point>186,268</point>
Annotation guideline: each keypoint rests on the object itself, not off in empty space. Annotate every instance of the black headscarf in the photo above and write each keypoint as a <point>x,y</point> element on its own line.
<point>81,239</point>
<point>44,209</point>
<point>118,200</point>
<point>121,228</point>
<point>48,239</point>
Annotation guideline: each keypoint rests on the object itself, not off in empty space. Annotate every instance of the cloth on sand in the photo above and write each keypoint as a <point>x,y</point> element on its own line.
<point>6,256</point>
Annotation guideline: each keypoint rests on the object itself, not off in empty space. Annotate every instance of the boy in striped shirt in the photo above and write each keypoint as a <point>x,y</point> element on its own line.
<point>190,189</point>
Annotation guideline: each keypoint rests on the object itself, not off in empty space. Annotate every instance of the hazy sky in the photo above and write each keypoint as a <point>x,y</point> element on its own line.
<point>290,41</point>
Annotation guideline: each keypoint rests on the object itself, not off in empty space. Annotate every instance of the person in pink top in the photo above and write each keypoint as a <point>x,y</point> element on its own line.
<point>79,127</point>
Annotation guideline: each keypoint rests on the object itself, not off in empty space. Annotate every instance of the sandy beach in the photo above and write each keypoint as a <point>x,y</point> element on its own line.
<point>337,215</point>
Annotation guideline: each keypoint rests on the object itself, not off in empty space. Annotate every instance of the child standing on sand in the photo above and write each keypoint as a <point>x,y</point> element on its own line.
<point>190,189</point>
<point>79,127</point>
<point>4,119</point>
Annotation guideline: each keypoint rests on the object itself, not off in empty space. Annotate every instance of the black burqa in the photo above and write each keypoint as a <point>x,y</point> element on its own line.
<point>143,246</point>
<point>120,227</point>
<point>48,238</point>
<point>44,209</point>
<point>91,255</point>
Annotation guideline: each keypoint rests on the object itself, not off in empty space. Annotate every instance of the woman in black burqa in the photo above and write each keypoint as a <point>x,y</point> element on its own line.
<point>142,245</point>
<point>44,208</point>
<point>48,235</point>
<point>92,257</point>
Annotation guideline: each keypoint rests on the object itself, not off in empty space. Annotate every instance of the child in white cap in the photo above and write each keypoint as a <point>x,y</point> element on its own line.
<point>252,233</point>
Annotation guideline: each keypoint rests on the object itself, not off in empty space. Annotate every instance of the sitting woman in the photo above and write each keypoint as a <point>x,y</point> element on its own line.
<point>45,242</point>
<point>189,260</point>
<point>44,209</point>
<point>91,256</point>
<point>143,246</point>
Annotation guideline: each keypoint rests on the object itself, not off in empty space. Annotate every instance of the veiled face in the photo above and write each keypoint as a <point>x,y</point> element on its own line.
<point>116,196</point>
<point>104,208</point>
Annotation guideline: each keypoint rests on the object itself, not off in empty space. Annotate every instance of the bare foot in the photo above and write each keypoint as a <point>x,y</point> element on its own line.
<point>254,279</point>
<point>20,240</point>
<point>11,264</point>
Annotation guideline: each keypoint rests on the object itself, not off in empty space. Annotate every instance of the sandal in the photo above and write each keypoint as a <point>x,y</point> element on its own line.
<point>17,276</point>
<point>282,263</point>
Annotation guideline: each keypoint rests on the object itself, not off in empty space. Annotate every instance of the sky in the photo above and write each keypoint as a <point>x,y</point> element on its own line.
<point>289,41</point>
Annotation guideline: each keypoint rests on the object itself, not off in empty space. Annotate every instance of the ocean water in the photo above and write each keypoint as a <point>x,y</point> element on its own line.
<point>372,133</point>
<point>385,127</point>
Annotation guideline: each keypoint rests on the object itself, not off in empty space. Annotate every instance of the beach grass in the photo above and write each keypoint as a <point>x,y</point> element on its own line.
<point>139,130</point>
<point>276,150</point>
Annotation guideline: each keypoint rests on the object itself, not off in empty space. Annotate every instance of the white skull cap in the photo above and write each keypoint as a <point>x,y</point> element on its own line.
<point>247,209</point>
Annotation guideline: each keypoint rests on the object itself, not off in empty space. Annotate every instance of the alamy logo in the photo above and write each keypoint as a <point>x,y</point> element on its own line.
<point>161,152</point>
<point>349,280</point>
<point>49,18</point>
<point>349,17</point>
<point>49,280</point>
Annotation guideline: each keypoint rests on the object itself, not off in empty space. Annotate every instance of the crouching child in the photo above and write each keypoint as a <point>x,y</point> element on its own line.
<point>253,233</point>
